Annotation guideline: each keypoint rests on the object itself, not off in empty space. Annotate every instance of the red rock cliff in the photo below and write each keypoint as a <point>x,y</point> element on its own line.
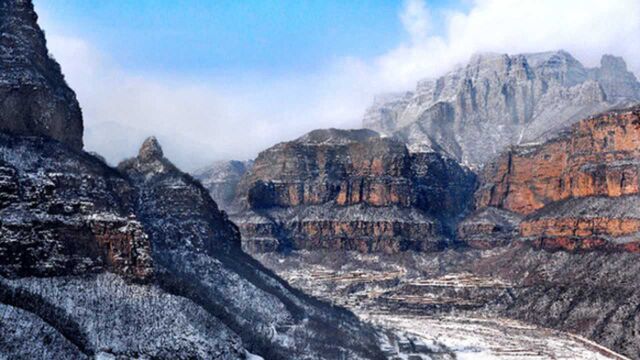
<point>589,168</point>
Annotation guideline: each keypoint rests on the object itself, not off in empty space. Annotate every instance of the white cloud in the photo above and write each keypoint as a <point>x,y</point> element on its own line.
<point>416,19</point>
<point>198,120</point>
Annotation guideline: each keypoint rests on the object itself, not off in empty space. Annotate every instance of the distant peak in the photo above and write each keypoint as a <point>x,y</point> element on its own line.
<point>150,150</point>
<point>613,62</point>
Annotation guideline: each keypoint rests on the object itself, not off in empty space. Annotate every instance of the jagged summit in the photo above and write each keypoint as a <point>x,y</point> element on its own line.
<point>150,150</point>
<point>475,111</point>
<point>34,97</point>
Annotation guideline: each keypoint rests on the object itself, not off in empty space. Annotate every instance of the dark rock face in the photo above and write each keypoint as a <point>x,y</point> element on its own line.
<point>350,189</point>
<point>199,250</point>
<point>475,112</point>
<point>221,179</point>
<point>34,97</point>
<point>578,191</point>
<point>63,213</point>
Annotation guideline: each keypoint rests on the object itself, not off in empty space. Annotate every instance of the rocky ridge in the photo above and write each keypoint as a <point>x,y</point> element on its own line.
<point>221,179</point>
<point>474,112</point>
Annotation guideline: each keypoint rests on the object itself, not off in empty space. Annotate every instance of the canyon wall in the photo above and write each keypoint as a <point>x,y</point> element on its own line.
<point>350,190</point>
<point>571,190</point>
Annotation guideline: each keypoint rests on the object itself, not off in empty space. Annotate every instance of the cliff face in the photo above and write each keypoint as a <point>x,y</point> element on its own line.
<point>572,190</point>
<point>34,97</point>
<point>66,213</point>
<point>473,113</point>
<point>350,189</point>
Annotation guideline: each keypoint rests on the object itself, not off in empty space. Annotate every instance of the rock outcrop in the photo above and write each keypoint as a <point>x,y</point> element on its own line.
<point>34,97</point>
<point>350,189</point>
<point>475,112</point>
<point>576,191</point>
<point>64,213</point>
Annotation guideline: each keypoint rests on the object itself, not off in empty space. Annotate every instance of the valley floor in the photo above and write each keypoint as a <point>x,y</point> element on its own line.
<point>443,316</point>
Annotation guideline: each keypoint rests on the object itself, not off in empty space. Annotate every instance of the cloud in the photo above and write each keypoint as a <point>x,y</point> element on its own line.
<point>416,20</point>
<point>199,120</point>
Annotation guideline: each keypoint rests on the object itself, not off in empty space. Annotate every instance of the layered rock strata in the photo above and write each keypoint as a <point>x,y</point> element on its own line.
<point>350,189</point>
<point>576,191</point>
<point>66,213</point>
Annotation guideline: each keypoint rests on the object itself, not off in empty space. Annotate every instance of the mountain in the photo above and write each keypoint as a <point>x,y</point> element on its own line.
<point>476,111</point>
<point>552,243</point>
<point>133,262</point>
<point>349,190</point>
<point>199,252</point>
<point>34,97</point>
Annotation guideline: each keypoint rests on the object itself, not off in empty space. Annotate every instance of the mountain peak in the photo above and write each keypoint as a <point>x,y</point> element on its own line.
<point>612,62</point>
<point>150,150</point>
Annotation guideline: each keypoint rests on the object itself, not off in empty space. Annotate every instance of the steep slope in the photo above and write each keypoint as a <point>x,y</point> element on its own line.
<point>350,190</point>
<point>34,98</point>
<point>200,252</point>
<point>474,112</point>
<point>579,190</point>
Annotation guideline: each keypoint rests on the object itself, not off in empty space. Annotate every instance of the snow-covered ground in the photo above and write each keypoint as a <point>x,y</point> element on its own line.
<point>391,297</point>
<point>500,339</point>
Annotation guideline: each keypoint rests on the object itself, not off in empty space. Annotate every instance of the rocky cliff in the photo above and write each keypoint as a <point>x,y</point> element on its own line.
<point>350,189</point>
<point>474,112</point>
<point>576,191</point>
<point>34,97</point>
<point>65,213</point>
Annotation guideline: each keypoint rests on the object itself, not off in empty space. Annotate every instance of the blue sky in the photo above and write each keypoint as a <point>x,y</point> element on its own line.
<point>224,79</point>
<point>228,36</point>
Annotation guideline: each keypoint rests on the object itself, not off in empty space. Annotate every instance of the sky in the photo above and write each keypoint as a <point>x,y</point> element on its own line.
<point>222,79</point>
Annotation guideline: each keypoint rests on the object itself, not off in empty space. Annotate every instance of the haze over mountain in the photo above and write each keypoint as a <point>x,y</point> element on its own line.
<point>258,105</point>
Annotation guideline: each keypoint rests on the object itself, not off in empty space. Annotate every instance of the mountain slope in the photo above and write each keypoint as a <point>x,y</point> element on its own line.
<point>139,262</point>
<point>200,250</point>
